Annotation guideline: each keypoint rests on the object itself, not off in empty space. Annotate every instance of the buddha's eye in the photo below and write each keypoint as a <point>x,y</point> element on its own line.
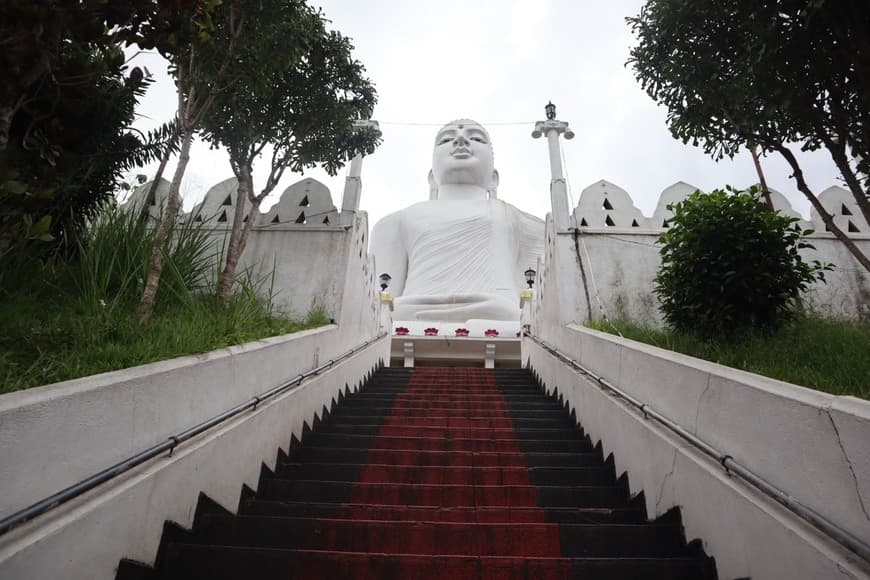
<point>444,140</point>
<point>479,139</point>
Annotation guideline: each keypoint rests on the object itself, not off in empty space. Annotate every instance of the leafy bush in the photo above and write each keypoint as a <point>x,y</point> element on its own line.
<point>729,262</point>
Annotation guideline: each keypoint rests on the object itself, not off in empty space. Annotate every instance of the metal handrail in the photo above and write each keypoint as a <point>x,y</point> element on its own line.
<point>75,490</point>
<point>820,522</point>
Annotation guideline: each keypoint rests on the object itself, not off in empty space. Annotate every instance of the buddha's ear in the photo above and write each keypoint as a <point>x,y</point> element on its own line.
<point>493,184</point>
<point>433,187</point>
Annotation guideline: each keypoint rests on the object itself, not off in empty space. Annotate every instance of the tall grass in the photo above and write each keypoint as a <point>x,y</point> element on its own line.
<point>63,317</point>
<point>113,258</point>
<point>826,355</point>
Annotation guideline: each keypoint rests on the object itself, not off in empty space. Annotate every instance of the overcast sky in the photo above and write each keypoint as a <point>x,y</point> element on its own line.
<point>499,62</point>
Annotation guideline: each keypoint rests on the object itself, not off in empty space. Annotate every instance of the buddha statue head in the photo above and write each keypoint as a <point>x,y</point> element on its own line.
<point>462,163</point>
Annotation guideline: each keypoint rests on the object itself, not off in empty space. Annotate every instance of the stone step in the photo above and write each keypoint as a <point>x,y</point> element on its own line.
<point>597,496</point>
<point>455,432</point>
<point>626,515</point>
<point>186,561</point>
<point>320,454</point>
<point>442,538</point>
<point>448,413</point>
<point>385,473</point>
<point>479,422</point>
<point>443,444</point>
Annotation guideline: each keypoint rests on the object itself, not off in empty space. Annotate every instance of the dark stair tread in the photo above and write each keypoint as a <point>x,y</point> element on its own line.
<point>447,495</point>
<point>446,430</point>
<point>511,514</point>
<point>446,443</point>
<point>480,475</point>
<point>341,418</point>
<point>318,454</point>
<point>223,562</point>
<point>442,538</point>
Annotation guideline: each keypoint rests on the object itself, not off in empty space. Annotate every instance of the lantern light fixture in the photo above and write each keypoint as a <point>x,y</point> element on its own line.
<point>530,277</point>
<point>550,109</point>
<point>385,281</point>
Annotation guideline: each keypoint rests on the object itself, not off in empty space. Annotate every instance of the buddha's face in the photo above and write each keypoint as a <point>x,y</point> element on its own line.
<point>462,155</point>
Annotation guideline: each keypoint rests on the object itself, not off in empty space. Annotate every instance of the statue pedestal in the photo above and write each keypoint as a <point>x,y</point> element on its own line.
<point>486,352</point>
<point>477,328</point>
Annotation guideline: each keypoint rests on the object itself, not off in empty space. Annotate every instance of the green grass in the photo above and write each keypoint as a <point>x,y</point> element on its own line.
<point>43,342</point>
<point>826,355</point>
<point>72,314</point>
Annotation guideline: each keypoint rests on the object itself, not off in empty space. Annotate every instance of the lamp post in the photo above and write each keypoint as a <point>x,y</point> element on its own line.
<point>558,188</point>
<point>353,183</point>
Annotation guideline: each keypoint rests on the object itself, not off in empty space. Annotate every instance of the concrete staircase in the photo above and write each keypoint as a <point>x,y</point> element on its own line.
<point>437,473</point>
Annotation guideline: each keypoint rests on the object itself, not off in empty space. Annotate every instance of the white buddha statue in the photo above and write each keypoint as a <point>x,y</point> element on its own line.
<point>460,256</point>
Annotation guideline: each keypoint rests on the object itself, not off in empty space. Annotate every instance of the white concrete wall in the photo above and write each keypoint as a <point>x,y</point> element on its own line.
<point>623,255</point>
<point>312,261</point>
<point>53,436</point>
<point>810,444</point>
<point>624,262</point>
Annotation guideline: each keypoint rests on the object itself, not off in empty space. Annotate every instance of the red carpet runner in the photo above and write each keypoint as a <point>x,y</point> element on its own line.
<point>447,459</point>
<point>435,474</point>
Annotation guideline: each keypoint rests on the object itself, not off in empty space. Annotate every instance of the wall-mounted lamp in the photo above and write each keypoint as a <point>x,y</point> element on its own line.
<point>530,277</point>
<point>385,281</point>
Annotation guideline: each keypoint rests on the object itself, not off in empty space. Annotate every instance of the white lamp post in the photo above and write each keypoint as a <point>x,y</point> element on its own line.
<point>558,188</point>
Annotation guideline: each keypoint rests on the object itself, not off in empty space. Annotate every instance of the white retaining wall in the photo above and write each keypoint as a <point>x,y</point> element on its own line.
<point>810,444</point>
<point>53,436</point>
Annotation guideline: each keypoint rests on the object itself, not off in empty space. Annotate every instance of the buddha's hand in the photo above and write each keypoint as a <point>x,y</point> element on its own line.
<point>456,307</point>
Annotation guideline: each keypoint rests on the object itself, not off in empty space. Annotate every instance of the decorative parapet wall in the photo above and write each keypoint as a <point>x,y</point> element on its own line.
<point>296,251</point>
<point>604,204</point>
<point>617,255</point>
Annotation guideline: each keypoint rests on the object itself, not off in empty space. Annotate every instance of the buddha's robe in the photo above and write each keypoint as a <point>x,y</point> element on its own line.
<point>458,260</point>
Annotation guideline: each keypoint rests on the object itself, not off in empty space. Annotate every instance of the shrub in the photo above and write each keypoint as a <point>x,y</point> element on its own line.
<point>729,262</point>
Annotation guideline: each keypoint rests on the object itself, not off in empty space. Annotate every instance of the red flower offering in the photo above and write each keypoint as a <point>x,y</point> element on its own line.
<point>401,330</point>
<point>491,332</point>
<point>461,332</point>
<point>431,332</point>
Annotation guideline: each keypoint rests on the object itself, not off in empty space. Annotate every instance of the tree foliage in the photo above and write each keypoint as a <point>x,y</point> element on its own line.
<point>729,262</point>
<point>767,72</point>
<point>296,96</point>
<point>66,108</point>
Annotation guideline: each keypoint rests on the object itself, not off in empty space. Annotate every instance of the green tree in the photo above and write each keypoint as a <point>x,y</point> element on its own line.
<point>296,99</point>
<point>66,107</point>
<point>765,72</point>
<point>729,262</point>
<point>200,51</point>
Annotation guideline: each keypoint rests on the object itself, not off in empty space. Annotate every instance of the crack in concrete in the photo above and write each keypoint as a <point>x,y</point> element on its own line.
<point>844,572</point>
<point>701,398</point>
<point>664,482</point>
<point>827,411</point>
